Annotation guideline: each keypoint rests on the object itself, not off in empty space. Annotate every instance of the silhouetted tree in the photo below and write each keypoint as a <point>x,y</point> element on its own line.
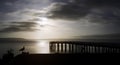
<point>8,57</point>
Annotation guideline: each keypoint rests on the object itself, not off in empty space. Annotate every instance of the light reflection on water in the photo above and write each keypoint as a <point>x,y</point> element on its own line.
<point>41,47</point>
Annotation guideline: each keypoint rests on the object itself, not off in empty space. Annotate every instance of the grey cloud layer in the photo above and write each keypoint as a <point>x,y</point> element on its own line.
<point>14,9</point>
<point>102,11</point>
<point>13,5</point>
<point>92,11</point>
<point>68,11</point>
<point>19,26</point>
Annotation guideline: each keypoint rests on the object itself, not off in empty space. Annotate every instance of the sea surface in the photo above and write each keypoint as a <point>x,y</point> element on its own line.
<point>40,46</point>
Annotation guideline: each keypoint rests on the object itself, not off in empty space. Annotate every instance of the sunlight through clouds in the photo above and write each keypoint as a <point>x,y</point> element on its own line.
<point>59,18</point>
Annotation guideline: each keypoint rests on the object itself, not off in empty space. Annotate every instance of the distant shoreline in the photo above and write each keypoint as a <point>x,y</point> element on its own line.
<point>14,40</point>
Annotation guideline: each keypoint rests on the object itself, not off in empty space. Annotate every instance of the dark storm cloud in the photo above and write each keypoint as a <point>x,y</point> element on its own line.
<point>24,24</point>
<point>68,11</point>
<point>19,26</point>
<point>15,29</point>
<point>102,11</point>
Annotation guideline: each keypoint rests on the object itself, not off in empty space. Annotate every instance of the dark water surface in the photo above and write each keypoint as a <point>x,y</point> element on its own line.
<point>40,46</point>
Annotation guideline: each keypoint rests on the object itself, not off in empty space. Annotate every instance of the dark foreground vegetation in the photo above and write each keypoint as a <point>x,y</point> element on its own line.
<point>61,59</point>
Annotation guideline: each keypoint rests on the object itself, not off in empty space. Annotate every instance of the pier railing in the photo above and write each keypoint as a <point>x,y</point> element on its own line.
<point>83,47</point>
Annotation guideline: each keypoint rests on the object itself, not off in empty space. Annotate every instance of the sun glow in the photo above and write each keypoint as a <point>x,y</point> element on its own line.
<point>43,21</point>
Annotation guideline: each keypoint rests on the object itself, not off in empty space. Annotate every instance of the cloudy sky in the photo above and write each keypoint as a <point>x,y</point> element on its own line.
<point>43,19</point>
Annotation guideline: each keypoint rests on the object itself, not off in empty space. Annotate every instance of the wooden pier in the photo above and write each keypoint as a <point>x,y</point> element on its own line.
<point>83,47</point>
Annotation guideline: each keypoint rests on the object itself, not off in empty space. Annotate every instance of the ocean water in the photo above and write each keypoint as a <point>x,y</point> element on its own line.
<point>40,46</point>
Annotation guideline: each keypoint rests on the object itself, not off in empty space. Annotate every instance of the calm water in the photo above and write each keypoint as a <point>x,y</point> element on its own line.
<point>40,46</point>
